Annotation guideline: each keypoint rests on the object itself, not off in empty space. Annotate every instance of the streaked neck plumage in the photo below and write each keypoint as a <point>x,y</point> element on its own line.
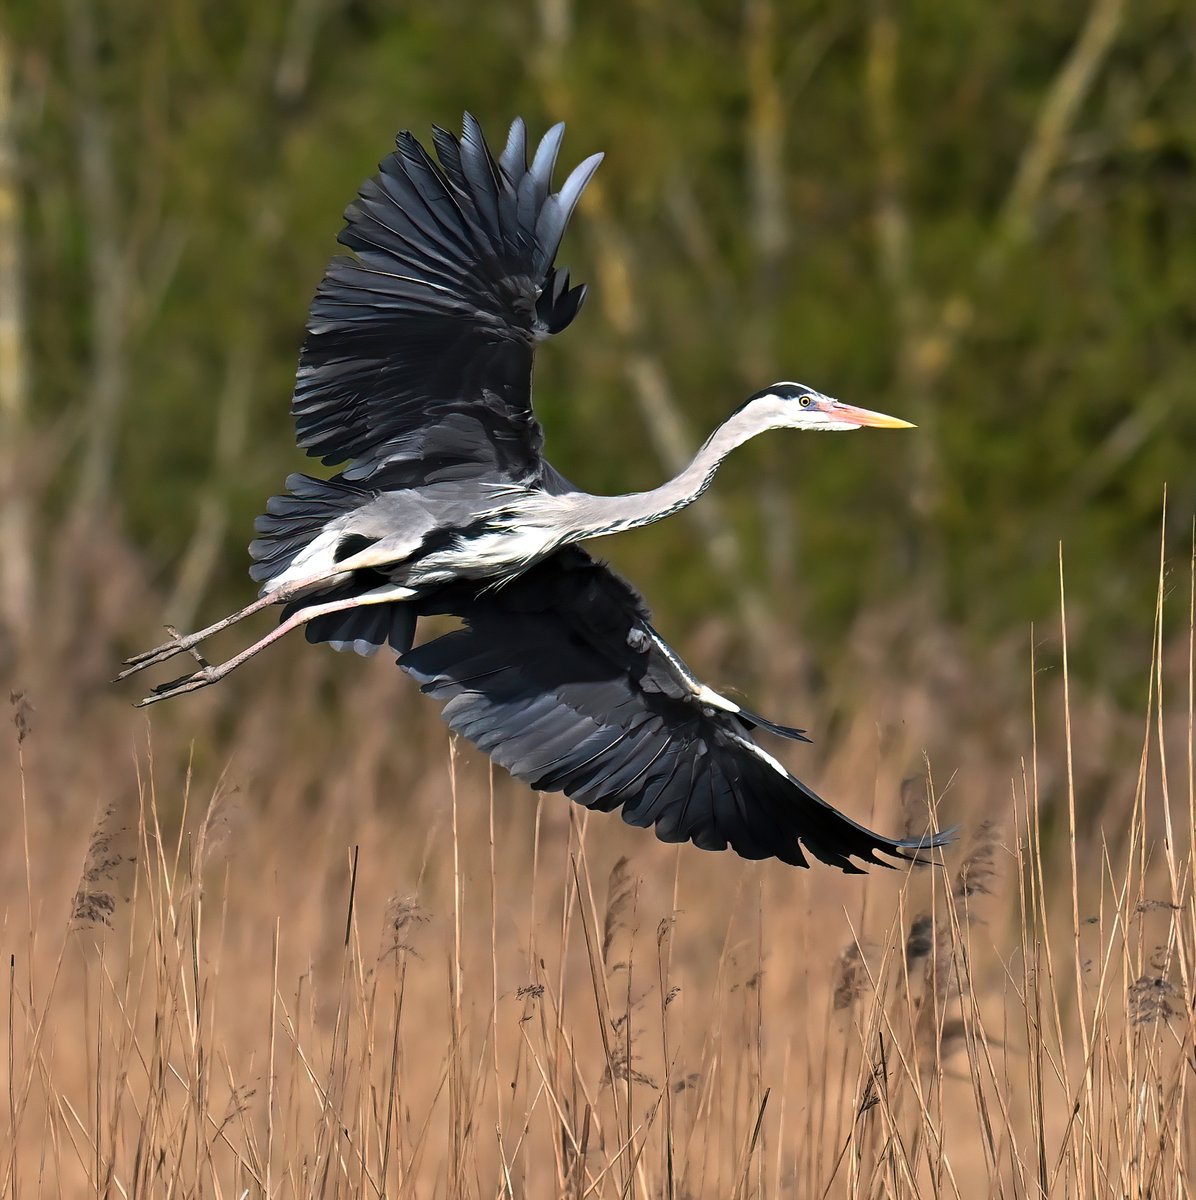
<point>601,515</point>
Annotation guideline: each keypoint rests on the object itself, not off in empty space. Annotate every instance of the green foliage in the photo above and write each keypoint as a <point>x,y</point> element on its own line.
<point>236,134</point>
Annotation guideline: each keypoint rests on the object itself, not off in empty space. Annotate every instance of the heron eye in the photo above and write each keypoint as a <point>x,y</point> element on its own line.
<point>806,401</point>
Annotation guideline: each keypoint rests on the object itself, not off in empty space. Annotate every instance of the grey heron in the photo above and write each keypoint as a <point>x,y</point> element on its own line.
<point>415,379</point>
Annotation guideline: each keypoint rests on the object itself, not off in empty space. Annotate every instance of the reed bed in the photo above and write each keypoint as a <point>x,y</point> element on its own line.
<point>347,959</point>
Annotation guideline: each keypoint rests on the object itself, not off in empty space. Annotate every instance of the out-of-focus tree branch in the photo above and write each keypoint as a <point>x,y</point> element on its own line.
<point>891,217</point>
<point>108,268</point>
<point>291,78</point>
<point>211,522</point>
<point>891,224</point>
<point>293,70</point>
<point>1015,222</point>
<point>669,430</point>
<point>769,224</point>
<point>16,557</point>
<point>930,333</point>
<point>698,243</point>
<point>938,335</point>
<point>769,232</point>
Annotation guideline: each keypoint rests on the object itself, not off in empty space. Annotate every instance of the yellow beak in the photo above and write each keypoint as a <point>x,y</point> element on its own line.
<point>864,416</point>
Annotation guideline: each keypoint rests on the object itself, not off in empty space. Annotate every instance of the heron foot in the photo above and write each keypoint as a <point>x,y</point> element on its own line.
<point>179,643</point>
<point>206,675</point>
<point>148,658</point>
<point>209,673</point>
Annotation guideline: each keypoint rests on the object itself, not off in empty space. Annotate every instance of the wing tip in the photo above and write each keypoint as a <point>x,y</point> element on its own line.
<point>912,849</point>
<point>756,721</point>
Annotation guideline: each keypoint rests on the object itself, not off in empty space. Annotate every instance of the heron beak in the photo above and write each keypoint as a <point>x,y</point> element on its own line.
<point>864,416</point>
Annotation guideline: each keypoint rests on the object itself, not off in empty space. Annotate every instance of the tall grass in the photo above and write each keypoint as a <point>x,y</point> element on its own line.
<point>321,970</point>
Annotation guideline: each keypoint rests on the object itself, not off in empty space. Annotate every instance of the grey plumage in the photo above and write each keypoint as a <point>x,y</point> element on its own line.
<point>292,520</point>
<point>415,380</point>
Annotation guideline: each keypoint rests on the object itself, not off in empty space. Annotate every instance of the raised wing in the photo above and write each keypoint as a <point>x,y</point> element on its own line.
<point>560,678</point>
<point>418,354</point>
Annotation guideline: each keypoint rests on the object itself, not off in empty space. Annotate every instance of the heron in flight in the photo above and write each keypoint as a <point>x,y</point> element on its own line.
<point>415,380</point>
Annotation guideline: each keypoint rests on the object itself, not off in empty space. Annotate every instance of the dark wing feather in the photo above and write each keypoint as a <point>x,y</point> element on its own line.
<point>418,355</point>
<point>559,677</point>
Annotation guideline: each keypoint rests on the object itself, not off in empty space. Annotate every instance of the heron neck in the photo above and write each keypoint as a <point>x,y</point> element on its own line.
<point>612,514</point>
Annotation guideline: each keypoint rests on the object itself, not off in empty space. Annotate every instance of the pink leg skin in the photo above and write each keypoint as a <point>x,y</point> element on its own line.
<point>210,674</point>
<point>177,645</point>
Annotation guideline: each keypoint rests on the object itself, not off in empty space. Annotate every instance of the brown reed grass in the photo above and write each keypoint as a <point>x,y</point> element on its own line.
<point>344,974</point>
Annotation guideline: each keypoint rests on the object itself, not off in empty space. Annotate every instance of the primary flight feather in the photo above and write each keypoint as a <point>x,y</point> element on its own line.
<point>415,380</point>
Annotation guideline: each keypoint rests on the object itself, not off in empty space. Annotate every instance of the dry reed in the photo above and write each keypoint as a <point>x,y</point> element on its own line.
<point>342,976</point>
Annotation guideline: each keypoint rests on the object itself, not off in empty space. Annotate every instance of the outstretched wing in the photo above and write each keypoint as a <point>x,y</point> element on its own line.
<point>418,354</point>
<point>560,678</point>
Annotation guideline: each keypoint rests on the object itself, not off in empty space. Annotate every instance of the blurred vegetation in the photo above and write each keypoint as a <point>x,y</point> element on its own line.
<point>975,216</point>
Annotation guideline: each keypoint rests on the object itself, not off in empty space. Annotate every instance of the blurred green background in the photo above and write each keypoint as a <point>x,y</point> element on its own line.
<point>975,216</point>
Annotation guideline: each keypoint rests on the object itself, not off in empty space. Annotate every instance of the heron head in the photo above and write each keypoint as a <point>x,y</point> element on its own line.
<point>795,406</point>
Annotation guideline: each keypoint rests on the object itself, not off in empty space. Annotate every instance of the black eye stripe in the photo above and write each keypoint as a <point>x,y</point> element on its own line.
<point>786,391</point>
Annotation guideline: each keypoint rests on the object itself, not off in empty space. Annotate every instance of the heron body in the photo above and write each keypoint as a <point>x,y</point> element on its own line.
<point>415,381</point>
<point>424,537</point>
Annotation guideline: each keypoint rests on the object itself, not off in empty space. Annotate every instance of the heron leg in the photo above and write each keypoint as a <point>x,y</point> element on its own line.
<point>177,644</point>
<point>211,673</point>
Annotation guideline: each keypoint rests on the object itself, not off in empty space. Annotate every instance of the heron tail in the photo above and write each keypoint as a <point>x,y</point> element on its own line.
<point>365,630</point>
